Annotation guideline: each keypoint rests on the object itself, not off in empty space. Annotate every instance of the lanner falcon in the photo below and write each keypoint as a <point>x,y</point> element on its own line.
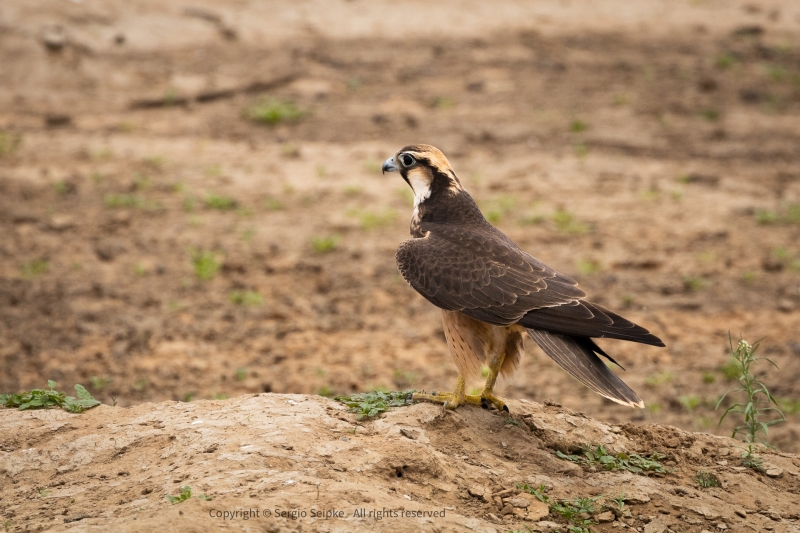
<point>491,292</point>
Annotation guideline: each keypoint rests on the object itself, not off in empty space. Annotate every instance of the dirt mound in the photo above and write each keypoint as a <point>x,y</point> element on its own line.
<point>277,462</point>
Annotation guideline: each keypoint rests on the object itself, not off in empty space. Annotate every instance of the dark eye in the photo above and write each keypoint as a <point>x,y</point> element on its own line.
<point>407,160</point>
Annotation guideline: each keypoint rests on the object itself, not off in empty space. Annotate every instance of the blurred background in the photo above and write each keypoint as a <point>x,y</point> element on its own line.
<point>191,203</point>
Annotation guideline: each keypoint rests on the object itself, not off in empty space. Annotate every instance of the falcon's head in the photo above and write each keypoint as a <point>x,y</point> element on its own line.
<point>425,169</point>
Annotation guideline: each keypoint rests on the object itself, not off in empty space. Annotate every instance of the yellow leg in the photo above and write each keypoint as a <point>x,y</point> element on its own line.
<point>487,395</point>
<point>451,400</point>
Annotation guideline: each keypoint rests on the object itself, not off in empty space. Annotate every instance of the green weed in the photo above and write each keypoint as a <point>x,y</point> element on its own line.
<point>125,200</point>
<point>241,374</point>
<point>566,222</point>
<point>403,378</point>
<point>99,383</point>
<point>689,401</point>
<point>369,404</point>
<point>588,267</point>
<point>758,402</point>
<point>443,102</point>
<point>599,457</point>
<point>775,73</point>
<point>47,398</point>
<point>246,298</point>
<point>659,379</point>
<point>574,512</point>
<point>620,508</point>
<point>326,391</point>
<point>273,204</point>
<point>578,126</point>
<point>272,112</point>
<point>693,283</point>
<point>706,479</point>
<point>370,219</point>
<point>205,263</point>
<point>324,245</point>
<point>711,115</point>
<point>787,214</point>
<point>31,269</point>
<point>185,494</point>
<point>789,406</point>
<point>709,378</point>
<point>223,203</point>
<point>726,60</point>
<point>539,491</point>
<point>8,142</point>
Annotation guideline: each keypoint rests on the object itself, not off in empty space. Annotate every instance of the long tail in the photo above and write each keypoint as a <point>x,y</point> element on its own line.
<point>577,356</point>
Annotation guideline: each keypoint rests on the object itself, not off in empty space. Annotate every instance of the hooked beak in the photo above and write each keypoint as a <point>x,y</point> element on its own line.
<point>389,166</point>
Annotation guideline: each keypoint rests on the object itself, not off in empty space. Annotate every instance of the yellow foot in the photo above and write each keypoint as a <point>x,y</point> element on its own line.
<point>451,400</point>
<point>485,400</point>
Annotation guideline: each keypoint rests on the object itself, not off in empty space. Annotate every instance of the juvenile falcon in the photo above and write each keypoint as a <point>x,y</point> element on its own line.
<point>491,292</point>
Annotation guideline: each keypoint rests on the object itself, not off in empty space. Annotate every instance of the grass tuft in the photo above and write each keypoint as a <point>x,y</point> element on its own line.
<point>223,203</point>
<point>272,112</point>
<point>369,404</point>
<point>205,263</point>
<point>567,222</point>
<point>246,298</point>
<point>706,479</point>
<point>31,269</point>
<point>185,494</point>
<point>324,245</point>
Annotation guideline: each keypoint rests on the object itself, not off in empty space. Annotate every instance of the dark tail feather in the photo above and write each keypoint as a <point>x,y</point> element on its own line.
<point>577,357</point>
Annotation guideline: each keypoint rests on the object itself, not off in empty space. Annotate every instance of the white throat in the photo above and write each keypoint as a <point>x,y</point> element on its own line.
<point>421,187</point>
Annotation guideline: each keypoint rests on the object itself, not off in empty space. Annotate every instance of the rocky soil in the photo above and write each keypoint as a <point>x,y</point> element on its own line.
<point>278,454</point>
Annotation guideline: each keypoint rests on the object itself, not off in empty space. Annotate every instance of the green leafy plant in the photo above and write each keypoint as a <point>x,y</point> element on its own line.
<point>373,219</point>
<point>222,203</point>
<point>47,398</point>
<point>8,142</point>
<point>706,479</point>
<point>115,201</point>
<point>369,404</point>
<point>324,245</point>
<point>757,403</point>
<point>575,511</point>
<point>272,112</point>
<point>577,126</point>
<point>619,509</point>
<point>539,491</point>
<point>205,263</point>
<point>34,268</point>
<point>185,494</point>
<point>246,298</point>
<point>566,222</point>
<point>599,457</point>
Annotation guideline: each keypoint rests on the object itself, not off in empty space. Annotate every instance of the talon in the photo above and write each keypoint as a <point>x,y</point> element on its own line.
<point>484,403</point>
<point>505,408</point>
<point>444,406</point>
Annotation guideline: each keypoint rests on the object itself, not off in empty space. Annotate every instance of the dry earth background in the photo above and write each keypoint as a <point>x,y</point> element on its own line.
<point>652,151</point>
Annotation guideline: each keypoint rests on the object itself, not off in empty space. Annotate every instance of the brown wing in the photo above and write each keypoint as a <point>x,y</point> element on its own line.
<point>486,276</point>
<point>483,276</point>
